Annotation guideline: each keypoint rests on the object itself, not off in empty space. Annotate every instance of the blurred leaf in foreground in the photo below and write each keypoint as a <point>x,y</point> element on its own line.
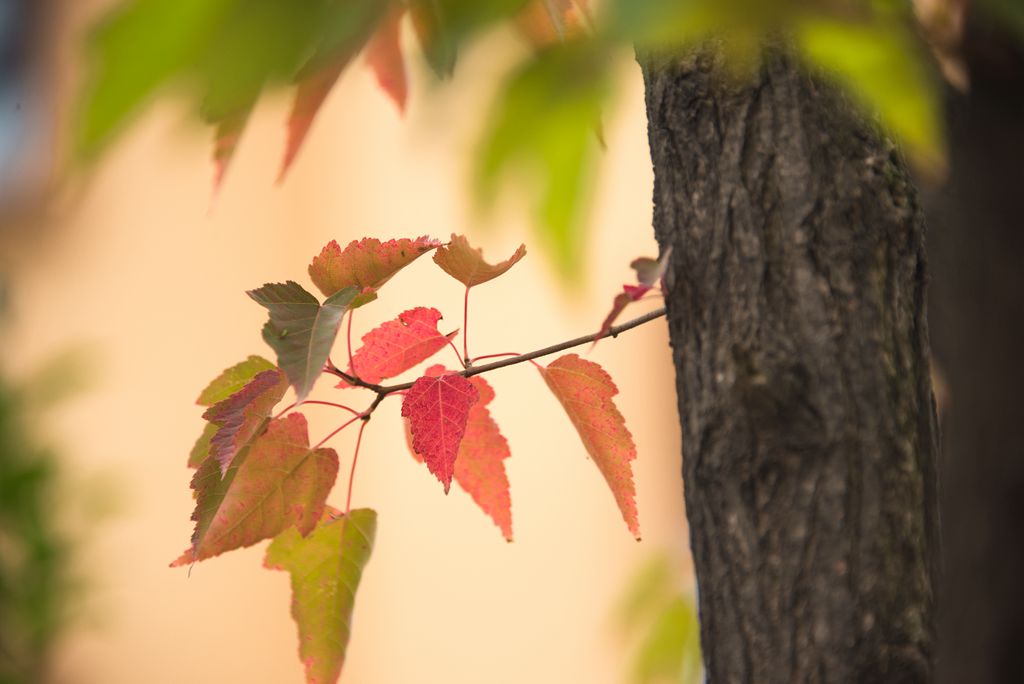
<point>545,128</point>
<point>884,66</point>
<point>660,618</point>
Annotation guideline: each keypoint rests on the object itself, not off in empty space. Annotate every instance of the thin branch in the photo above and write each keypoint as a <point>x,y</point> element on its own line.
<point>614,331</point>
<point>350,379</point>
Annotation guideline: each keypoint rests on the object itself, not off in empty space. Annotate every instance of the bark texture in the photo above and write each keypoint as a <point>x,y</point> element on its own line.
<point>796,305</point>
<point>977,309</point>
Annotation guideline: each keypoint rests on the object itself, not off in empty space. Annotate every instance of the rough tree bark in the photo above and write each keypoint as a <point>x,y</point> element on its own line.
<point>796,304</point>
<point>977,306</point>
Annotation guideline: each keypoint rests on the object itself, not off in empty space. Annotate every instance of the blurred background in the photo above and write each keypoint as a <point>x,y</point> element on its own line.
<point>122,294</point>
<point>142,262</point>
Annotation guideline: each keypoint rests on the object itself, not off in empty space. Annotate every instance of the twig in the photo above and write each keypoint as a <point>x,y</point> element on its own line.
<point>614,331</point>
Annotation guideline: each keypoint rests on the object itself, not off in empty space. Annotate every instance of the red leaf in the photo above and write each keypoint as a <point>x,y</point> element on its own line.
<point>241,416</point>
<point>384,55</point>
<point>278,482</point>
<point>467,264</point>
<point>309,97</point>
<point>585,391</point>
<point>227,134</point>
<point>438,410</point>
<point>366,263</point>
<point>480,467</point>
<point>398,345</point>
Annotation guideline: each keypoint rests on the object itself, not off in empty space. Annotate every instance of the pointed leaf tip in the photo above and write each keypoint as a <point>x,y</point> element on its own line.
<point>325,568</point>
<point>366,264</point>
<point>480,466</point>
<point>438,412</point>
<point>310,95</point>
<point>384,55</point>
<point>466,264</point>
<point>585,391</point>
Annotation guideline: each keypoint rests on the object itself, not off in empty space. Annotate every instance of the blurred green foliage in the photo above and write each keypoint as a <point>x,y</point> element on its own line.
<point>35,556</point>
<point>224,53</point>
<point>660,617</point>
<point>546,127</point>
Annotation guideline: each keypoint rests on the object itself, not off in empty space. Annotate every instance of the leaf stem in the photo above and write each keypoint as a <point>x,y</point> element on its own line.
<point>337,430</point>
<point>331,403</point>
<point>289,407</point>
<point>456,350</point>
<point>494,356</point>
<point>348,339</point>
<point>352,472</point>
<point>465,329</point>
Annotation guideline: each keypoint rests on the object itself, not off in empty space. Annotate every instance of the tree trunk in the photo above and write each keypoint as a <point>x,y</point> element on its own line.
<point>796,307</point>
<point>977,306</point>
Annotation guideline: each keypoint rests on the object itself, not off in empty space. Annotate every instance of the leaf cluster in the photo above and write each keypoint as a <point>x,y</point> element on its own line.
<point>258,475</point>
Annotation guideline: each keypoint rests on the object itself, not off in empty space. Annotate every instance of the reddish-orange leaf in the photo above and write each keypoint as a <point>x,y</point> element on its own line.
<point>466,264</point>
<point>438,410</point>
<point>366,263</point>
<point>544,22</point>
<point>227,133</point>
<point>480,467</point>
<point>585,391</point>
<point>240,416</point>
<point>398,345</point>
<point>277,483</point>
<point>384,55</point>
<point>310,95</point>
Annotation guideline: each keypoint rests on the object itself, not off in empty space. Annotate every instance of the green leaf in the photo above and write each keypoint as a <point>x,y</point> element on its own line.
<point>544,128</point>
<point>650,588</point>
<point>300,330</point>
<point>275,482</point>
<point>137,49</point>
<point>670,651</point>
<point>326,568</point>
<point>344,28</point>
<point>882,64</point>
<point>233,379</point>
<point>262,42</point>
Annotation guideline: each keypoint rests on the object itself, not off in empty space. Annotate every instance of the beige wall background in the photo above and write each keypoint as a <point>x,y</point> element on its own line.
<point>148,268</point>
